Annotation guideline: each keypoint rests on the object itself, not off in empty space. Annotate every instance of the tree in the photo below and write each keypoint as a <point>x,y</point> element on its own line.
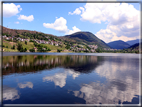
<point>88,47</point>
<point>67,47</point>
<point>26,42</point>
<point>20,47</point>
<point>13,47</point>
<point>59,50</point>
<point>32,50</point>
<point>98,50</point>
<point>24,50</point>
<point>48,49</point>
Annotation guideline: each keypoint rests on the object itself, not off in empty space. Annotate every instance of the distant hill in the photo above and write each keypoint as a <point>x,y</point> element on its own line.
<point>132,42</point>
<point>15,32</point>
<point>135,46</point>
<point>118,44</point>
<point>86,37</point>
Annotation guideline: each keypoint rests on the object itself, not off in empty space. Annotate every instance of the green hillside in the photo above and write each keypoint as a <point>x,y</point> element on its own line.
<point>118,44</point>
<point>8,45</point>
<point>87,38</point>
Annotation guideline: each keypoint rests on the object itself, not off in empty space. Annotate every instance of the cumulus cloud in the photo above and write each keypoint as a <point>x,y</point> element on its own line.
<point>10,9</point>
<point>75,29</point>
<point>124,38</point>
<point>108,35</point>
<point>122,18</point>
<point>60,25</point>
<point>77,11</point>
<point>27,84</point>
<point>17,22</point>
<point>28,18</point>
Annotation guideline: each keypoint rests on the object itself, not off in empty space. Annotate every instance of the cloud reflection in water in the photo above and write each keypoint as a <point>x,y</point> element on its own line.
<point>122,83</point>
<point>27,84</point>
<point>10,93</point>
<point>59,79</point>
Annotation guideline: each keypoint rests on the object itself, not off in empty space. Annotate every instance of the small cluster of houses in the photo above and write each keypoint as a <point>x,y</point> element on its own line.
<point>56,43</point>
<point>75,48</point>
<point>7,38</point>
<point>93,46</point>
<point>21,39</point>
<point>78,49</point>
<point>111,49</point>
<point>51,42</point>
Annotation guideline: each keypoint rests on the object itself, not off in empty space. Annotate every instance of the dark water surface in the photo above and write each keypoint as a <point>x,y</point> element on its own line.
<point>71,79</point>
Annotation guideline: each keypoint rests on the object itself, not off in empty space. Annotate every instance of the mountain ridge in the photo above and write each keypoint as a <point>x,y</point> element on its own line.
<point>132,42</point>
<point>119,44</point>
<point>87,37</point>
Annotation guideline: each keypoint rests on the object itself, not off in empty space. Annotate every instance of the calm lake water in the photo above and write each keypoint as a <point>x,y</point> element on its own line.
<point>71,79</point>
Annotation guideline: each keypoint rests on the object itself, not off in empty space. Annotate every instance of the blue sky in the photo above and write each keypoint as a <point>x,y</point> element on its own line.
<point>107,21</point>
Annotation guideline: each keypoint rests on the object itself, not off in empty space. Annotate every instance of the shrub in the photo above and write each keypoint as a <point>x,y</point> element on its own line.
<point>48,49</point>
<point>13,47</point>
<point>32,50</point>
<point>26,42</point>
<point>59,50</point>
<point>24,50</point>
<point>20,47</point>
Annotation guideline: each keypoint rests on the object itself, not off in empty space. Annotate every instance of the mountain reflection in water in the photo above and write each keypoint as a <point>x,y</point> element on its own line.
<point>78,79</point>
<point>33,63</point>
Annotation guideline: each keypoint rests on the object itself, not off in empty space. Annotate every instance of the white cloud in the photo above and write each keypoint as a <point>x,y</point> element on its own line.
<point>27,84</point>
<point>60,25</point>
<point>105,35</point>
<point>17,22</point>
<point>124,38</point>
<point>11,9</point>
<point>77,11</point>
<point>123,19</point>
<point>28,18</point>
<point>75,29</point>
<point>108,35</point>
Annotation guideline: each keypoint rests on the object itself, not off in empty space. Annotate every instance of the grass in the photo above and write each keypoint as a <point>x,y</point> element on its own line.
<point>10,50</point>
<point>29,45</point>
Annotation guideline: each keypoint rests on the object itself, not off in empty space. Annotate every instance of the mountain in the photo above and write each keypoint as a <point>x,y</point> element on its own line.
<point>135,46</point>
<point>132,42</point>
<point>86,38</point>
<point>118,44</point>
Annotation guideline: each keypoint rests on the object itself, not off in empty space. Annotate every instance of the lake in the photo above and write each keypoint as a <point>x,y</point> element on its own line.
<point>71,78</point>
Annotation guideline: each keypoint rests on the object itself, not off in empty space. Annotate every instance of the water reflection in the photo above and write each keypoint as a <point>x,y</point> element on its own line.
<point>26,84</point>
<point>10,93</point>
<point>60,77</point>
<point>96,93</point>
<point>122,82</point>
<point>93,79</point>
<point>34,63</point>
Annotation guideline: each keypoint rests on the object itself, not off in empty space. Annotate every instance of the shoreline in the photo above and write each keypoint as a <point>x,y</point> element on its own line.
<point>56,53</point>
